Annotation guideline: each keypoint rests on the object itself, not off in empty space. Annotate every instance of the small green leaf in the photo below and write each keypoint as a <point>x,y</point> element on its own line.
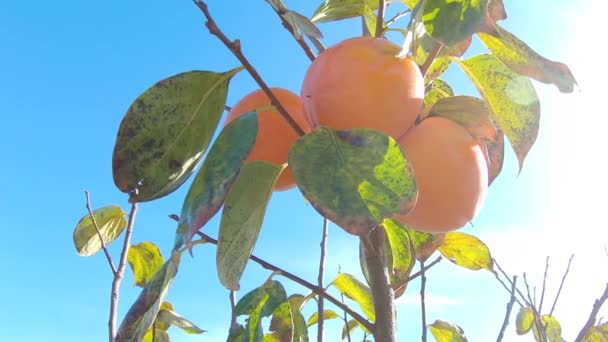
<point>327,314</point>
<point>287,323</point>
<point>553,330</point>
<point>452,21</point>
<point>259,303</point>
<point>520,58</point>
<point>171,318</point>
<point>332,10</point>
<point>349,327</point>
<point>524,320</point>
<point>221,167</point>
<point>158,336</point>
<point>467,111</point>
<point>439,90</point>
<point>425,244</point>
<point>142,313</point>
<point>355,178</point>
<point>111,222</point>
<point>496,154</point>
<point>302,24</point>
<point>165,132</point>
<point>237,334</point>
<point>145,259</point>
<point>160,324</point>
<point>356,290</point>
<point>447,332</point>
<point>467,251</point>
<point>242,219</point>
<point>511,98</point>
<point>403,255</point>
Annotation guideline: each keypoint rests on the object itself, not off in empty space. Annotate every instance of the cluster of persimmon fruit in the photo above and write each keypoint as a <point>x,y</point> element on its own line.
<point>366,82</point>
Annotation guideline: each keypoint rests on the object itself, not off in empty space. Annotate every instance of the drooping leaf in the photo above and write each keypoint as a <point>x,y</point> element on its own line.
<point>452,21</point>
<point>287,323</point>
<point>145,259</point>
<point>142,313</point>
<point>158,336</point>
<point>467,251</point>
<point>467,111</point>
<point>332,10</point>
<point>170,317</point>
<point>110,221</point>
<point>349,327</point>
<point>520,58</point>
<point>447,332</point>
<point>511,98</point>
<point>212,182</point>
<point>327,315</point>
<point>165,132</point>
<point>302,24</point>
<point>439,89</point>
<point>259,303</point>
<point>356,290</point>
<point>425,244</point>
<point>242,219</point>
<point>524,320</point>
<point>496,154</point>
<point>355,178</point>
<point>553,330</point>
<point>158,324</point>
<point>403,255</point>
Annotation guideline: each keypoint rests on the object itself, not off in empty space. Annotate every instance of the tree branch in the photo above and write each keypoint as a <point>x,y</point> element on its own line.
<point>537,319</point>
<point>103,244</point>
<point>320,302</point>
<point>561,284</point>
<point>307,50</point>
<point>542,294</point>
<point>430,58</point>
<point>314,288</point>
<point>380,18</point>
<point>422,301</point>
<point>397,17</point>
<point>523,298</point>
<point>121,271</point>
<point>235,48</point>
<point>592,317</point>
<point>233,323</point>
<point>505,323</point>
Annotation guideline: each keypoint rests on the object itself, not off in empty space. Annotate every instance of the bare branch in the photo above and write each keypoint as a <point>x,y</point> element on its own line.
<point>537,322</point>
<point>523,298</point>
<point>592,317</point>
<point>103,244</point>
<point>542,294</point>
<point>505,323</point>
<point>561,284</point>
<point>397,17</point>
<point>121,271</point>
<point>235,48</point>
<point>380,18</point>
<point>345,318</point>
<point>320,302</point>
<point>422,301</point>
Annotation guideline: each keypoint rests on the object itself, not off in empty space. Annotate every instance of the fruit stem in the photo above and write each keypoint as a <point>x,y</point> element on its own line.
<point>235,48</point>
<point>382,290</point>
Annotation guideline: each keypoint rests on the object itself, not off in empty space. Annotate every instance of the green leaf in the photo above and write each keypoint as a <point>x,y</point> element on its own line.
<point>403,255</point>
<point>553,330</point>
<point>511,98</point>
<point>349,327</point>
<point>439,89</point>
<point>172,318</point>
<point>259,303</point>
<point>467,251</point>
<point>111,222</point>
<point>242,219</point>
<point>467,111</point>
<point>524,320</point>
<point>212,182</point>
<point>596,334</point>
<point>520,58</point>
<point>165,132</point>
<point>302,24</point>
<point>496,154</point>
<point>355,178</point>
<point>158,336</point>
<point>447,332</point>
<point>145,260</point>
<point>452,21</point>
<point>158,324</point>
<point>287,323</point>
<point>356,290</point>
<point>142,313</point>
<point>332,10</point>
<point>237,335</point>
<point>327,314</point>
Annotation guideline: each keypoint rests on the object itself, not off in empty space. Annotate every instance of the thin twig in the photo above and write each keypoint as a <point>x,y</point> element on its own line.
<point>506,287</point>
<point>422,301</point>
<point>561,284</point>
<point>314,288</point>
<point>509,279</point>
<point>121,271</point>
<point>430,58</point>
<point>424,269</point>
<point>235,48</point>
<point>321,281</point>
<point>397,17</point>
<point>307,50</point>
<point>103,244</point>
<point>542,294</point>
<point>380,18</point>
<point>505,323</point>
<point>592,317</point>
<point>537,321</point>
<point>233,324</point>
<point>227,108</point>
<point>345,320</point>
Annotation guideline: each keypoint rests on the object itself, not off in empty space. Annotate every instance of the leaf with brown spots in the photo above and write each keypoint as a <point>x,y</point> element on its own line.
<point>496,155</point>
<point>520,58</point>
<point>467,111</point>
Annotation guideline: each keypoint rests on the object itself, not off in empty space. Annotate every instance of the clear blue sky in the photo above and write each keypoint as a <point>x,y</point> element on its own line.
<point>70,69</point>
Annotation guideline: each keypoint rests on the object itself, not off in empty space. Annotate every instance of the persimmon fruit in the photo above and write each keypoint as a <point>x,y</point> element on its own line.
<point>363,82</point>
<point>451,174</point>
<point>275,135</point>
